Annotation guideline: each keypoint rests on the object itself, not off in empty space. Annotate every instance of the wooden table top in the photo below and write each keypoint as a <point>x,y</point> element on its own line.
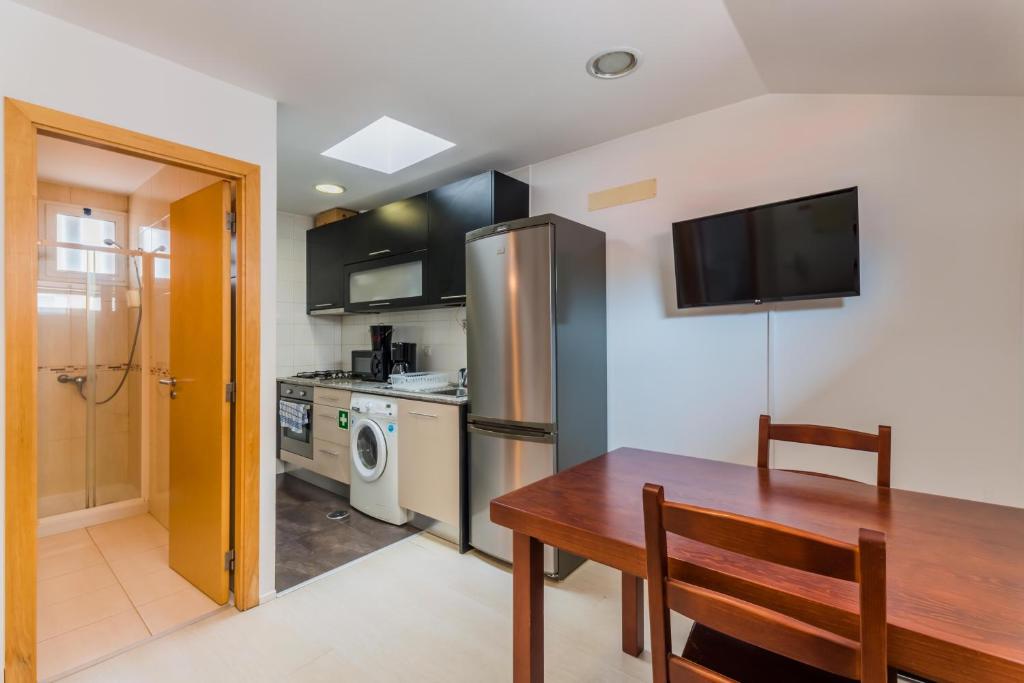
<point>955,567</point>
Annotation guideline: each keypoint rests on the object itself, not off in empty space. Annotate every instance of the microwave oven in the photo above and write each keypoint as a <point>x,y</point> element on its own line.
<point>362,365</point>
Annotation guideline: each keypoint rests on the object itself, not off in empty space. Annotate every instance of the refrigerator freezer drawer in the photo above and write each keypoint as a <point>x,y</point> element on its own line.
<point>501,463</point>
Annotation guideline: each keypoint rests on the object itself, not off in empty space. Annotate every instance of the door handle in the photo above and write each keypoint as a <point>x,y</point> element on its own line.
<point>378,253</point>
<point>170,382</point>
<point>511,434</point>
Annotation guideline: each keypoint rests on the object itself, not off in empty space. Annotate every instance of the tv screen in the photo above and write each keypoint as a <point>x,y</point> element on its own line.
<point>804,248</point>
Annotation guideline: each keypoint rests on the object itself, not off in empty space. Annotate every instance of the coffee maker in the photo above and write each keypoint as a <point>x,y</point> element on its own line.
<point>380,359</point>
<point>403,357</point>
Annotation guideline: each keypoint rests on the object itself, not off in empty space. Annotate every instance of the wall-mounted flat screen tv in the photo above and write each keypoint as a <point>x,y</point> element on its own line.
<point>804,248</point>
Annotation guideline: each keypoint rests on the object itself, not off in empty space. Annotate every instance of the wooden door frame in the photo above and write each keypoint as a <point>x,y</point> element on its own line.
<point>23,122</point>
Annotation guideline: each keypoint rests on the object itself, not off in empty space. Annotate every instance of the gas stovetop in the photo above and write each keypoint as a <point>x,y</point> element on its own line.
<point>324,374</point>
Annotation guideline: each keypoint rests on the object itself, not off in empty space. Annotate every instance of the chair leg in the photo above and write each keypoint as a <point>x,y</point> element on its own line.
<point>632,614</point>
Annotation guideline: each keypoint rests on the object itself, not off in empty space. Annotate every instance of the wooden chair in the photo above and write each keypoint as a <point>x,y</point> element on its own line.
<point>778,635</point>
<point>880,443</point>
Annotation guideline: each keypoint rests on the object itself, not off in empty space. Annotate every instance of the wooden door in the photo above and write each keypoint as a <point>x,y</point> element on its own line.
<point>200,354</point>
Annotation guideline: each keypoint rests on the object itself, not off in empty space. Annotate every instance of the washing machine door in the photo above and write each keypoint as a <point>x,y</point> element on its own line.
<point>369,450</point>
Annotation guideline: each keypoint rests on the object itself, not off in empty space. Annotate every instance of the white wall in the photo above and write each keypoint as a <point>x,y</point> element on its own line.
<point>439,335</point>
<point>304,342</point>
<point>933,346</point>
<point>52,63</point>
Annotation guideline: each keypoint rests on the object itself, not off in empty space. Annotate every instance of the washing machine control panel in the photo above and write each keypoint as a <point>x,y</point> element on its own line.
<point>374,405</point>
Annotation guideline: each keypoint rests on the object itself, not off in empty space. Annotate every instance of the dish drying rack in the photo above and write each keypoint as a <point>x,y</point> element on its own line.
<point>419,381</point>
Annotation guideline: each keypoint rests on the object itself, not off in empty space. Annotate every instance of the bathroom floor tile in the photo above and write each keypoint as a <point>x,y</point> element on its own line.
<point>67,561</point>
<point>71,585</point>
<point>145,587</point>
<point>126,537</point>
<point>103,588</point>
<point>82,610</point>
<point>141,563</point>
<point>88,643</point>
<point>176,609</point>
<point>58,543</point>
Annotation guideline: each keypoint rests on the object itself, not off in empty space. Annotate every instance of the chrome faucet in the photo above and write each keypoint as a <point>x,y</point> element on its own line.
<point>68,379</point>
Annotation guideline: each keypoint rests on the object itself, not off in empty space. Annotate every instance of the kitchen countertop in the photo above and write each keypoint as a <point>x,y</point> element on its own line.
<point>378,388</point>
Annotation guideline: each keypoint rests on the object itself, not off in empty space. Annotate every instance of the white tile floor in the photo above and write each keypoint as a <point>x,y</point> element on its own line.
<point>413,611</point>
<point>106,587</point>
<point>416,610</point>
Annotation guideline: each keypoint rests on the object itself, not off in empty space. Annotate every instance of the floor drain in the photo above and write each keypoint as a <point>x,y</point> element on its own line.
<point>338,514</point>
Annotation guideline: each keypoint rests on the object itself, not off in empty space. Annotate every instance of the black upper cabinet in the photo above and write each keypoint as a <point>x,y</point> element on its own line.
<point>396,228</point>
<point>324,260</point>
<point>436,221</point>
<point>458,208</point>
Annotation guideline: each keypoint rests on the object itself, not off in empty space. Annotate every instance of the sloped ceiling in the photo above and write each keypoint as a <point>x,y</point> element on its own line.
<point>505,81</point>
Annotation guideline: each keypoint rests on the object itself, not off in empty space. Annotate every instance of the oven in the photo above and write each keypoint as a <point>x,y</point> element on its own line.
<point>295,400</point>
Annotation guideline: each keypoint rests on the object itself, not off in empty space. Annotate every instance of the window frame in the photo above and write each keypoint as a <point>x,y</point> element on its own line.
<point>48,271</point>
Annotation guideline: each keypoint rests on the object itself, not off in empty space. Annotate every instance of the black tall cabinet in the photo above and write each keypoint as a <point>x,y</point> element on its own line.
<point>458,208</point>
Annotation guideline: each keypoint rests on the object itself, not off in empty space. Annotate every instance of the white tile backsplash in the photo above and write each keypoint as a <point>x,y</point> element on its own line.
<point>326,342</point>
<point>439,336</point>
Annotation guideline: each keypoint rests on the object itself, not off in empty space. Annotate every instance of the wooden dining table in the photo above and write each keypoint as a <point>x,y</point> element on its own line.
<point>955,568</point>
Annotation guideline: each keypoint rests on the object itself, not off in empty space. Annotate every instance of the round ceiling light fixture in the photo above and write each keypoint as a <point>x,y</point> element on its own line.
<point>614,63</point>
<point>329,188</point>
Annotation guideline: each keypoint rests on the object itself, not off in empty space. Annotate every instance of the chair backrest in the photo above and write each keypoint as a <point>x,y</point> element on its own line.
<point>814,633</point>
<point>880,443</point>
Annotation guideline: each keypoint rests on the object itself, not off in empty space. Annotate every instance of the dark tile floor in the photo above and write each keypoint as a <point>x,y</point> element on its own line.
<point>309,544</point>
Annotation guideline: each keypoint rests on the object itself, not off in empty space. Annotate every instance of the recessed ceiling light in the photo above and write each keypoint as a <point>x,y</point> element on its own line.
<point>387,145</point>
<point>616,63</point>
<point>329,188</point>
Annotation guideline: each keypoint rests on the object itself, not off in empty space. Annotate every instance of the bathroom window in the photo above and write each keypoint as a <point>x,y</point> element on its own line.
<point>64,225</point>
<point>156,239</point>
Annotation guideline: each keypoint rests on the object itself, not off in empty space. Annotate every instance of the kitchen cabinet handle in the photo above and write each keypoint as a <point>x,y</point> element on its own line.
<point>378,253</point>
<point>327,452</point>
<point>453,296</point>
<point>322,305</point>
<point>327,415</point>
<point>382,303</point>
<point>413,412</point>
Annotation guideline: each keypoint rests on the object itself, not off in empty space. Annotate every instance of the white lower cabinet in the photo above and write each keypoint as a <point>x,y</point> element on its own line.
<point>428,465</point>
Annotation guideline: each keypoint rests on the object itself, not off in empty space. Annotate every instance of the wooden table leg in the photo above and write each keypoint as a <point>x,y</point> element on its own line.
<point>632,614</point>
<point>527,609</point>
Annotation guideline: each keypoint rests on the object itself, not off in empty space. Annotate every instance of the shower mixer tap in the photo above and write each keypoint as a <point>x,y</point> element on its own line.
<point>68,379</point>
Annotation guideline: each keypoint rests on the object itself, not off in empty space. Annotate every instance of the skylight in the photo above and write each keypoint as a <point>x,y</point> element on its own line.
<point>387,145</point>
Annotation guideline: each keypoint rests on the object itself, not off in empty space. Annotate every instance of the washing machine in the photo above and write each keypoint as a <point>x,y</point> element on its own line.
<point>374,448</point>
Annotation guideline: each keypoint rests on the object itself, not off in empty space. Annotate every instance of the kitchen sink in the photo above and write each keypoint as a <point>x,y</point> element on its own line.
<point>453,391</point>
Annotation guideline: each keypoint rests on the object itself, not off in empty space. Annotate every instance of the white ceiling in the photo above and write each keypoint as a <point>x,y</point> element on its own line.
<point>926,47</point>
<point>505,80</point>
<point>70,163</point>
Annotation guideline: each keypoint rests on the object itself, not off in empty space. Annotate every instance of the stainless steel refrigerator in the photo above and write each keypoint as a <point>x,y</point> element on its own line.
<point>537,364</point>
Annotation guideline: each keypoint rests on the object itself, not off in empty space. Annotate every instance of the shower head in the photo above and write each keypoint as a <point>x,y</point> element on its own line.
<point>112,243</point>
<point>162,247</point>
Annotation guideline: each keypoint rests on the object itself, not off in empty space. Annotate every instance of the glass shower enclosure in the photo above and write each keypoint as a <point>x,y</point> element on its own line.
<point>91,344</point>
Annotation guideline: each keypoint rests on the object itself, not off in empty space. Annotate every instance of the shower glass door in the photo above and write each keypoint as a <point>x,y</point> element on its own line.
<point>90,349</point>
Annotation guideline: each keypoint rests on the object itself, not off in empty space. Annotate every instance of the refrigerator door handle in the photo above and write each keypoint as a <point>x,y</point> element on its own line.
<point>512,434</point>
